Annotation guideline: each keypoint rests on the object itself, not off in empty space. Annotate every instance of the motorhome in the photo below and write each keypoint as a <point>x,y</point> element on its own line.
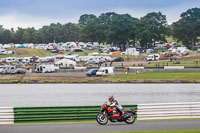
<point>8,69</point>
<point>11,59</point>
<point>105,71</point>
<point>27,60</point>
<point>153,57</point>
<point>1,69</point>
<point>131,51</point>
<point>65,63</point>
<point>45,69</point>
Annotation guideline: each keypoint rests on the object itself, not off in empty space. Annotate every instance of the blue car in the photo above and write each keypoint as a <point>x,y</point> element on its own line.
<point>92,72</point>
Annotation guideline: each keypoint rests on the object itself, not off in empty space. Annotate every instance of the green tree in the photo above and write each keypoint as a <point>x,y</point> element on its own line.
<point>152,28</point>
<point>29,35</point>
<point>86,18</point>
<point>19,35</point>
<point>71,32</point>
<point>187,28</point>
<point>89,32</point>
<point>7,37</point>
<point>118,29</point>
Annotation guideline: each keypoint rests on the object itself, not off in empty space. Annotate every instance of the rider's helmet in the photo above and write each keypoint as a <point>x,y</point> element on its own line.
<point>111,98</point>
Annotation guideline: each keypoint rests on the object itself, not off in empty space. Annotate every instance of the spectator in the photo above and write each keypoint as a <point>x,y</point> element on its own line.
<point>110,63</point>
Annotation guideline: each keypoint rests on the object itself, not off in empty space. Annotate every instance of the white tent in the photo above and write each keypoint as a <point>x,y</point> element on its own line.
<point>65,63</point>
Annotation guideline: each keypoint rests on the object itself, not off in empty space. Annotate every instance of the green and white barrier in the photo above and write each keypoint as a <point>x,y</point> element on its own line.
<point>173,67</point>
<point>168,111</point>
<point>58,113</point>
<point>6,115</point>
<point>10,115</point>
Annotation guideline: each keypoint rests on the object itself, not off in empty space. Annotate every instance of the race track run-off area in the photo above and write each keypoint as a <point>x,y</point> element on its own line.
<point>93,127</point>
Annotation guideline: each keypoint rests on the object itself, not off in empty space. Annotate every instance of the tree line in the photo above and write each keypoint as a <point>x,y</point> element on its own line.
<point>112,28</point>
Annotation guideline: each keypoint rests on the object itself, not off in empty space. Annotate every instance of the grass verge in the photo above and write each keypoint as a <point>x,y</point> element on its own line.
<point>169,131</point>
<point>156,77</point>
<point>143,77</point>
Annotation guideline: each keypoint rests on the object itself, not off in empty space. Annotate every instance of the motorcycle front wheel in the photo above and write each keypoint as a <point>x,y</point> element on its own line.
<point>131,119</point>
<point>102,119</point>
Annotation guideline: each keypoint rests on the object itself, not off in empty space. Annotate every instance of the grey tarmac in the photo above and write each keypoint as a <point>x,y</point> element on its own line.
<point>96,128</point>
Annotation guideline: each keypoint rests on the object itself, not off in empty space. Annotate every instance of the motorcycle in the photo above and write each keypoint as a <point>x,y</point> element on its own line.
<point>111,113</point>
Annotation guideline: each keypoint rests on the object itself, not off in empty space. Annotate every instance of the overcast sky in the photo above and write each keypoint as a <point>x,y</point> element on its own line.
<point>36,13</point>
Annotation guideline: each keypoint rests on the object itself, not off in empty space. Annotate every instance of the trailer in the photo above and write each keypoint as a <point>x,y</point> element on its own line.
<point>45,69</point>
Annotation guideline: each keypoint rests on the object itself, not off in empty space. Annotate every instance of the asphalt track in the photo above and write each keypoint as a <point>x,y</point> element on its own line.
<point>94,127</point>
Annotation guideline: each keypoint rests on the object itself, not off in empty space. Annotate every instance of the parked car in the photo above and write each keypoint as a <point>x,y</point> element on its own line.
<point>118,59</point>
<point>77,50</point>
<point>54,51</point>
<point>92,72</point>
<point>60,52</point>
<point>92,61</point>
<point>19,71</point>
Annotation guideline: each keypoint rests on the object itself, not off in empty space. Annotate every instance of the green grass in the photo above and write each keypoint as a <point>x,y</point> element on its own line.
<point>168,131</point>
<point>183,62</point>
<point>156,76</point>
<point>27,52</point>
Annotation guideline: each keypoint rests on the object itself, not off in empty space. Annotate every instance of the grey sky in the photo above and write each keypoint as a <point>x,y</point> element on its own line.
<point>36,13</point>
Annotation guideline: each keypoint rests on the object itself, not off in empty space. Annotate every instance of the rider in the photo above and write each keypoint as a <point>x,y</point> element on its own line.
<point>114,103</point>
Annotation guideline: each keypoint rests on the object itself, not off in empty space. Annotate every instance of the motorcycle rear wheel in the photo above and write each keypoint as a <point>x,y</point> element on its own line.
<point>102,119</point>
<point>131,119</point>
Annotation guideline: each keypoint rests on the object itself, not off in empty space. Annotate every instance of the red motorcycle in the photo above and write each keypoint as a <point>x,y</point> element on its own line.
<point>112,114</point>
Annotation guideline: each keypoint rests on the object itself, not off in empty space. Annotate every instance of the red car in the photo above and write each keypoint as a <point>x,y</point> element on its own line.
<point>60,52</point>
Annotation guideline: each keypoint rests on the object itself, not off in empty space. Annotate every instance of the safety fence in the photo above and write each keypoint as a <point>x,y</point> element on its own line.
<point>168,111</point>
<point>6,115</point>
<point>58,114</point>
<point>9,115</point>
<point>132,68</point>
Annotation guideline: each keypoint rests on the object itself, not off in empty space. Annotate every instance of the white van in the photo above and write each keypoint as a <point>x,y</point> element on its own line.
<point>45,69</point>
<point>153,57</point>
<point>104,71</point>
